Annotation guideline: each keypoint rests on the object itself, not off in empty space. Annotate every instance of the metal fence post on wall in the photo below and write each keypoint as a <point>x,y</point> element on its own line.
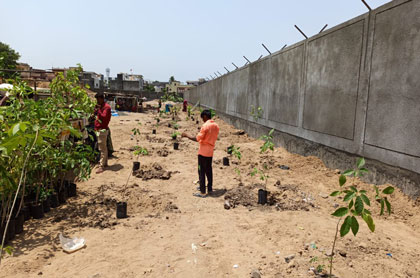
<point>247,61</point>
<point>306,37</point>
<point>235,65</point>
<point>266,49</point>
<point>283,47</point>
<point>219,73</point>
<point>323,28</point>
<point>367,6</point>
<point>226,69</point>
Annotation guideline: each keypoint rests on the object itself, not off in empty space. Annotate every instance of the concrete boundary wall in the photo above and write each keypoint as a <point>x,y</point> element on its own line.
<point>354,88</point>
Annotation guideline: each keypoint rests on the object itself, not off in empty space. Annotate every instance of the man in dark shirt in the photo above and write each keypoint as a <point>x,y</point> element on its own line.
<point>103,116</point>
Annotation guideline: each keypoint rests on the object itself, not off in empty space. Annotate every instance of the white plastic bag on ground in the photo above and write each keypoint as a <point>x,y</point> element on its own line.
<point>71,245</point>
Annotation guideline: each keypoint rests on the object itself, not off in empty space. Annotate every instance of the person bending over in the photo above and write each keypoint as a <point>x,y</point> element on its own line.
<point>207,140</point>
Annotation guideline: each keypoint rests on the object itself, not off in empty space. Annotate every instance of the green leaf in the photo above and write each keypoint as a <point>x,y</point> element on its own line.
<point>360,162</point>
<point>382,206</point>
<point>342,180</point>
<point>369,221</point>
<point>388,206</point>
<point>23,127</point>
<point>367,211</point>
<point>388,190</point>
<point>365,199</point>
<point>348,173</point>
<point>358,205</point>
<point>335,193</point>
<point>363,171</point>
<point>351,204</point>
<point>354,225</point>
<point>377,190</point>
<point>340,212</point>
<point>16,129</point>
<point>8,250</point>
<point>345,227</point>
<point>254,172</point>
<point>39,140</point>
<point>349,196</point>
<point>362,191</point>
<point>354,189</point>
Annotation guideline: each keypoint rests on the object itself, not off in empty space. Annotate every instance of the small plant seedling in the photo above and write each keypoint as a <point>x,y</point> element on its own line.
<point>268,142</point>
<point>235,152</point>
<point>267,145</point>
<point>175,125</point>
<point>320,267</point>
<point>140,151</point>
<point>135,131</point>
<point>175,134</point>
<point>256,113</point>
<point>356,203</point>
<point>262,173</point>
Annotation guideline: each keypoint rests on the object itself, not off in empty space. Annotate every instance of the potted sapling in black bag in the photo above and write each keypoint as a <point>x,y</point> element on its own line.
<point>263,171</point>
<point>174,136</point>
<point>37,211</point>
<point>44,197</point>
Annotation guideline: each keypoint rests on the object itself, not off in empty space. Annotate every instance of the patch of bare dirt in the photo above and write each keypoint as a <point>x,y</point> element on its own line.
<point>285,197</point>
<point>153,139</point>
<point>163,152</point>
<point>154,171</point>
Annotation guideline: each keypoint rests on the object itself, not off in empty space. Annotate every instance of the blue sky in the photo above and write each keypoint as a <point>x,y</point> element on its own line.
<point>159,38</point>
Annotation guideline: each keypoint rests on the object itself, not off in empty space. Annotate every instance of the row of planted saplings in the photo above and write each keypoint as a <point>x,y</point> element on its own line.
<point>38,201</point>
<point>121,208</point>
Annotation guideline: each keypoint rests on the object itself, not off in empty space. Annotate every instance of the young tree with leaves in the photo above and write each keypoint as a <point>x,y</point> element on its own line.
<point>356,205</point>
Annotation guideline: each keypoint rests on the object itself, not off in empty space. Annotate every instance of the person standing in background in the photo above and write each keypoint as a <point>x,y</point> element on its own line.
<point>103,117</point>
<point>207,140</point>
<point>184,106</point>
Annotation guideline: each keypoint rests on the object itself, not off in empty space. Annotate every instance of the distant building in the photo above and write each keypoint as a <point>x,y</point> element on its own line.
<point>56,71</point>
<point>126,82</point>
<point>92,79</point>
<point>23,66</point>
<point>177,87</point>
<point>159,86</point>
<point>29,73</point>
<point>197,83</point>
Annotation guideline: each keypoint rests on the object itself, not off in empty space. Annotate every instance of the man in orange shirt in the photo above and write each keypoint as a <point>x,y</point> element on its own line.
<point>207,139</point>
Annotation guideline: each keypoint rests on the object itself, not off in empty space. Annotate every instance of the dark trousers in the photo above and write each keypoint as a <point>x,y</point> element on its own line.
<point>205,169</point>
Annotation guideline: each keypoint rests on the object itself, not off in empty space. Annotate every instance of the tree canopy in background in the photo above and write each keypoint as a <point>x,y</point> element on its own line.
<point>8,60</point>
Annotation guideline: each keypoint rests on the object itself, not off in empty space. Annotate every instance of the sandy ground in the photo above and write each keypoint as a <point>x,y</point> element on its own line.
<point>166,222</point>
